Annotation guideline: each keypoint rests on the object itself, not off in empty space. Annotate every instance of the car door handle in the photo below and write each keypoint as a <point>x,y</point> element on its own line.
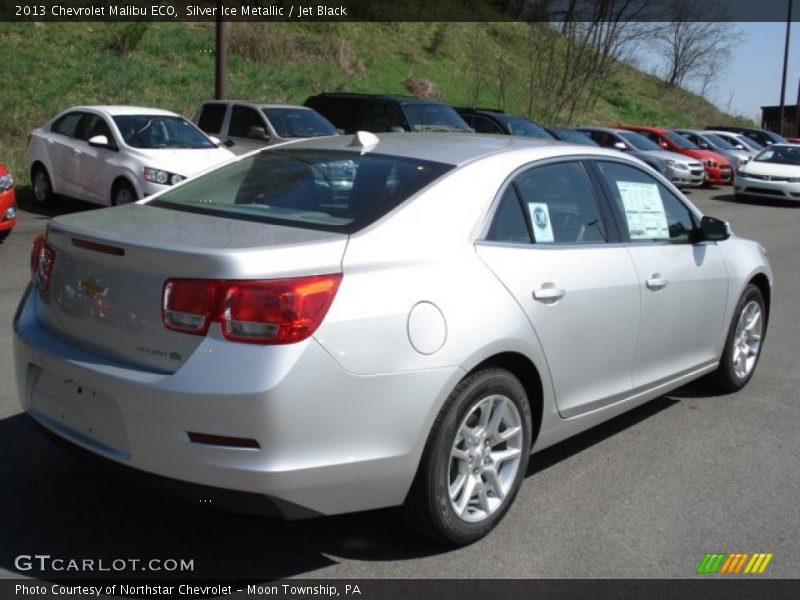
<point>548,292</point>
<point>657,282</point>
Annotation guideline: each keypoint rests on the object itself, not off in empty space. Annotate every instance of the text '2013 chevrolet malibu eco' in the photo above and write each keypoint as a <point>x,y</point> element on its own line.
<point>356,322</point>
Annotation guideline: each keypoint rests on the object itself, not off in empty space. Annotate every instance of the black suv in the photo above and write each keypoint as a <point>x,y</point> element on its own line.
<point>379,113</point>
<point>493,120</point>
<point>762,136</point>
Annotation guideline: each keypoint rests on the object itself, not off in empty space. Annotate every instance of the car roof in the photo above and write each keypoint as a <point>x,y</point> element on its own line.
<point>115,110</point>
<point>393,97</point>
<point>257,104</point>
<point>450,148</point>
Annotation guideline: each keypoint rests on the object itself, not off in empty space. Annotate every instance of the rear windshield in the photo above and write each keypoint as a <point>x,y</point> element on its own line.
<point>330,190</point>
<point>298,122</point>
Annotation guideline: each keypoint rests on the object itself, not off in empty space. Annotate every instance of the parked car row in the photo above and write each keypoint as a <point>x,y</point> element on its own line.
<point>115,155</point>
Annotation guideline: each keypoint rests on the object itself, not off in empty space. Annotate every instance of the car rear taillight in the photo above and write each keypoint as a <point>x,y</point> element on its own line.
<point>272,311</point>
<point>189,305</point>
<point>43,255</point>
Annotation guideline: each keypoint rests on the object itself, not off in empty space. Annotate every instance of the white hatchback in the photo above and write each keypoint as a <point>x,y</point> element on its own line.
<point>116,154</point>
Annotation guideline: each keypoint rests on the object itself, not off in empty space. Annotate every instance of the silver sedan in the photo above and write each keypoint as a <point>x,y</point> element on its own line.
<point>276,344</point>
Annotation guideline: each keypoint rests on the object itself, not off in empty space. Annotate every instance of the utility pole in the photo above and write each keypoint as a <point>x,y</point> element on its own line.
<point>785,64</point>
<point>221,76</point>
<point>797,111</point>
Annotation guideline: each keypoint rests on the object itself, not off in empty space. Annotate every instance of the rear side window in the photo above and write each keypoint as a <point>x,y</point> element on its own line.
<point>314,189</point>
<point>650,211</point>
<point>67,125</point>
<point>559,205</point>
<point>211,117</point>
<point>482,125</point>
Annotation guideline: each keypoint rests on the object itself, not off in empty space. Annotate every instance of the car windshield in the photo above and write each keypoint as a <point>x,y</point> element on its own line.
<point>749,143</point>
<point>330,190</point>
<point>638,141</point>
<point>679,140</point>
<point>520,126</point>
<point>298,123</point>
<point>719,142</point>
<point>782,155</point>
<point>158,131</point>
<point>570,135</point>
<point>434,117</point>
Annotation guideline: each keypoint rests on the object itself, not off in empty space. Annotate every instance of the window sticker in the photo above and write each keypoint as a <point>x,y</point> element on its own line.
<point>540,219</point>
<point>644,210</point>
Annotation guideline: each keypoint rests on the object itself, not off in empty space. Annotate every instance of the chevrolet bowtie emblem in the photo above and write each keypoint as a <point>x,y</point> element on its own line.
<point>93,287</point>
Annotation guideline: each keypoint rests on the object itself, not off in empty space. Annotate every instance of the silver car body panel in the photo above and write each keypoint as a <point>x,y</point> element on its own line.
<point>342,418</point>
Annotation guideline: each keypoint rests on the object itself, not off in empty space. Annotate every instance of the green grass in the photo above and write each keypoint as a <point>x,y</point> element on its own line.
<point>49,67</point>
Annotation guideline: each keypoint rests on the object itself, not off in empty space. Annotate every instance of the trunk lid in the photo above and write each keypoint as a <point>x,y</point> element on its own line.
<point>106,285</point>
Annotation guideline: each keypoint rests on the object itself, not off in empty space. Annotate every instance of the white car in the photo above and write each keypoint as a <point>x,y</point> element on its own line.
<point>116,154</point>
<point>773,173</point>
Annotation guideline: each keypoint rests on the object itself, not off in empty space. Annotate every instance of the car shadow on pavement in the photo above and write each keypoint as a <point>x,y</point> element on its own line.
<point>555,454</point>
<point>59,206</point>
<point>53,505</point>
<point>729,196</point>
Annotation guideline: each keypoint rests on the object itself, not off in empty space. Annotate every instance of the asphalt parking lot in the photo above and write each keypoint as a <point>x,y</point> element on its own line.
<point>645,495</point>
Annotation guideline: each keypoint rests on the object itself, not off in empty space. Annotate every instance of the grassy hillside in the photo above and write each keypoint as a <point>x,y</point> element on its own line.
<point>51,66</point>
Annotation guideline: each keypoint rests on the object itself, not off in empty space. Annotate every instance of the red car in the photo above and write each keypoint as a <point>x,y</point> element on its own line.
<point>793,140</point>
<point>718,169</point>
<point>8,203</point>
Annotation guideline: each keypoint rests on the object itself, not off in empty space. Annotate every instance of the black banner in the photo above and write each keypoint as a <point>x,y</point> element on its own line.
<point>383,589</point>
<point>397,10</point>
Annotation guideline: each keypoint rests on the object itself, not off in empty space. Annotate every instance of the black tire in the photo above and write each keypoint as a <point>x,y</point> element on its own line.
<point>42,186</point>
<point>123,193</point>
<point>726,379</point>
<point>4,234</point>
<point>428,509</point>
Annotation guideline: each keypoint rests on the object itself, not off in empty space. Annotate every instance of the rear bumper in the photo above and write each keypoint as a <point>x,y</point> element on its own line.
<point>192,493</point>
<point>329,441</point>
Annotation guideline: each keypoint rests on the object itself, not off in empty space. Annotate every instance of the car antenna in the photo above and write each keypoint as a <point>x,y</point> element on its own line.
<point>364,140</point>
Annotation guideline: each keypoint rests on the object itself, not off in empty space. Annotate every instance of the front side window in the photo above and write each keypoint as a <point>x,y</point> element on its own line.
<point>243,122</point>
<point>315,189</point>
<point>211,117</point>
<point>650,211</point>
<point>556,205</point>
<point>93,125</point>
<point>523,127</point>
<point>638,142</point>
<point>383,117</point>
<point>160,131</point>
<point>483,125</point>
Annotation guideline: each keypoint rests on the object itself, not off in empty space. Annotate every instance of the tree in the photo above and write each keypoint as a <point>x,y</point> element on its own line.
<point>694,50</point>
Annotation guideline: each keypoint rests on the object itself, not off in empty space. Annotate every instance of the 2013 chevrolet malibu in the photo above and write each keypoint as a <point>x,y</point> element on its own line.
<point>409,341</point>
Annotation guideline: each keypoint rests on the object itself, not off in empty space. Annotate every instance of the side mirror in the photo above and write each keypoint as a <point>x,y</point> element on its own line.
<point>620,145</point>
<point>739,147</point>
<point>714,230</point>
<point>396,129</point>
<point>664,145</point>
<point>257,133</point>
<point>214,140</point>
<point>339,131</point>
<point>99,141</point>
